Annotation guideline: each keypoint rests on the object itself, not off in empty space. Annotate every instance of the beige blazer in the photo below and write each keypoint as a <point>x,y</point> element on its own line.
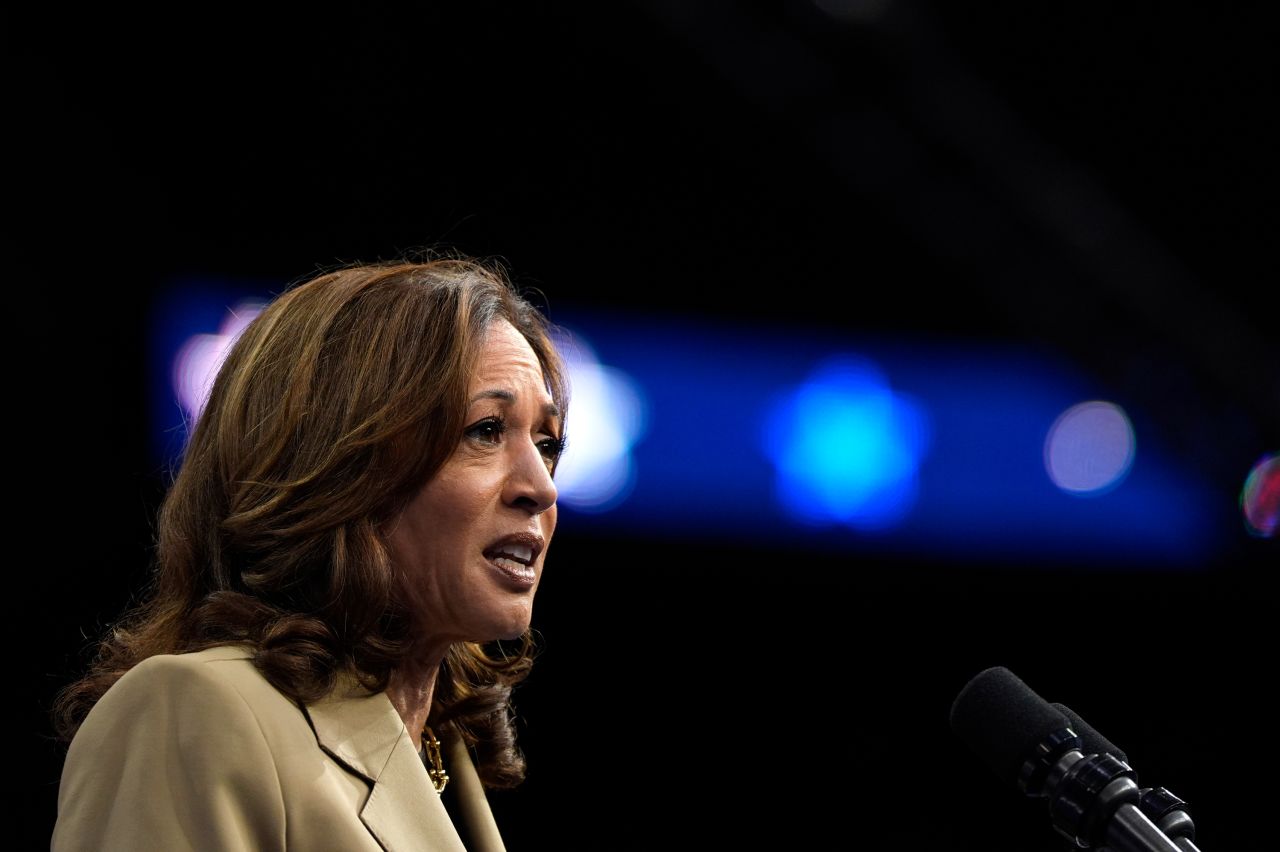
<point>199,752</point>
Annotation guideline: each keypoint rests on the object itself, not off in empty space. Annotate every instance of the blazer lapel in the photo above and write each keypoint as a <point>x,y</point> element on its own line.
<point>366,735</point>
<point>472,802</point>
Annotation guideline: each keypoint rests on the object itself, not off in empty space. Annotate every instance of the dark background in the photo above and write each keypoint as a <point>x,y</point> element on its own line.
<point>1092,179</point>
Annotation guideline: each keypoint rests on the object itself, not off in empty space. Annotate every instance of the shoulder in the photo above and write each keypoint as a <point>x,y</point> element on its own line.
<point>218,680</point>
<point>227,665</point>
<point>181,746</point>
<point>197,702</point>
<point>221,663</point>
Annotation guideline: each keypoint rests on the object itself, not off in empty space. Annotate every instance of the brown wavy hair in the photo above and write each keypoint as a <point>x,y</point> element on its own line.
<point>333,407</point>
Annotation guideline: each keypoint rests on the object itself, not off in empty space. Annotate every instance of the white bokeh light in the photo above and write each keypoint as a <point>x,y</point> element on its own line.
<point>198,360</point>
<point>606,418</point>
<point>1089,448</point>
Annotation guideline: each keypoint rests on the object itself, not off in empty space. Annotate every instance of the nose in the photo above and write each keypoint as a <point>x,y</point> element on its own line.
<point>529,484</point>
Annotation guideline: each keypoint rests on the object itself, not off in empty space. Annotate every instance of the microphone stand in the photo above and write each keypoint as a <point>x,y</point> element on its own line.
<point>1157,819</point>
<point>1167,811</point>
<point>1094,799</point>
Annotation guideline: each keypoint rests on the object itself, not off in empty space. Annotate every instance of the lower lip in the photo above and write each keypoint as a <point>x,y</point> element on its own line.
<point>519,577</point>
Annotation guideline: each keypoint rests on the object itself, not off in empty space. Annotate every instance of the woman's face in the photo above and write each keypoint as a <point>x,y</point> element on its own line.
<point>471,543</point>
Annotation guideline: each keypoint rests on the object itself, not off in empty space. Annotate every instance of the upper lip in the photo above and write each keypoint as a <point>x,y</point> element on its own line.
<point>522,547</point>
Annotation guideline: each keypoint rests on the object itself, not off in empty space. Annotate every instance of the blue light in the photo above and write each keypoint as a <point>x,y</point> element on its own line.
<point>772,435</point>
<point>846,447</point>
<point>685,429</point>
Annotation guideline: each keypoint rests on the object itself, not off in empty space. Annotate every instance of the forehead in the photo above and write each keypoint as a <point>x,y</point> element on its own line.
<point>507,361</point>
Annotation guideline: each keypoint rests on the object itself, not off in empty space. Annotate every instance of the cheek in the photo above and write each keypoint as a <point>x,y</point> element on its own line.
<point>468,505</point>
<point>426,528</point>
<point>462,516</point>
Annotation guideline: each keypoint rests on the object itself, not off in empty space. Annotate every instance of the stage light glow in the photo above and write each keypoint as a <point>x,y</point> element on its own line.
<point>1089,448</point>
<point>606,418</point>
<point>198,360</point>
<point>846,447</point>
<point>682,428</point>
<point>1260,498</point>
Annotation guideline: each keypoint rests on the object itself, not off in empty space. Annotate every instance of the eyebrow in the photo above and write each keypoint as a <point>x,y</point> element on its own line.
<point>549,409</point>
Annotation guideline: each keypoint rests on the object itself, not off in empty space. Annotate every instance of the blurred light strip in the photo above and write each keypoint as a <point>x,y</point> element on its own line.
<point>962,453</point>
<point>961,440</point>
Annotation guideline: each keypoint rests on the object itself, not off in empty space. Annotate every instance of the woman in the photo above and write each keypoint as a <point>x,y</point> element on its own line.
<point>361,517</point>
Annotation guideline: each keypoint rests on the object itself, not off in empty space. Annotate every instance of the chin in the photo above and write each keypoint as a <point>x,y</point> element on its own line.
<point>503,624</point>
<point>514,631</point>
<point>513,626</point>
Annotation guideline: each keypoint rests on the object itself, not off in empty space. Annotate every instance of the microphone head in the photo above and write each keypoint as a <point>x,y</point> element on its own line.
<point>1006,723</point>
<point>1091,742</point>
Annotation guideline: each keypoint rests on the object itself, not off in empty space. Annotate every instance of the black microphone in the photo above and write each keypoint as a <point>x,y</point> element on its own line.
<point>1093,796</point>
<point>1167,811</point>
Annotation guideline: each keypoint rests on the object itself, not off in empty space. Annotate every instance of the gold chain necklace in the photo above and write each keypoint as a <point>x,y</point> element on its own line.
<point>432,752</point>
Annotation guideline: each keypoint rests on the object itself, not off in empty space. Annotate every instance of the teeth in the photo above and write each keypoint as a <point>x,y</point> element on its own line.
<point>512,565</point>
<point>518,552</point>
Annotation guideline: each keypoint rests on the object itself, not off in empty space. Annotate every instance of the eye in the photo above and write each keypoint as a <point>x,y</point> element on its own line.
<point>551,449</point>
<point>487,431</point>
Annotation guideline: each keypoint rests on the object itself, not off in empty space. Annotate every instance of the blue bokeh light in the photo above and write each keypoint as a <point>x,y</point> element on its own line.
<point>846,446</point>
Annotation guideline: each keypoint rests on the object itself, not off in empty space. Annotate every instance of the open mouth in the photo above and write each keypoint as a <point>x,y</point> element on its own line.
<point>516,554</point>
<point>513,555</point>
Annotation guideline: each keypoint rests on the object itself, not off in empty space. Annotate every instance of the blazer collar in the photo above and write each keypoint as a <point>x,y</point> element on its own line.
<point>366,735</point>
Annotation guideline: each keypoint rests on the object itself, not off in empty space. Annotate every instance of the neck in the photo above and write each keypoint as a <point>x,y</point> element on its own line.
<point>411,689</point>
